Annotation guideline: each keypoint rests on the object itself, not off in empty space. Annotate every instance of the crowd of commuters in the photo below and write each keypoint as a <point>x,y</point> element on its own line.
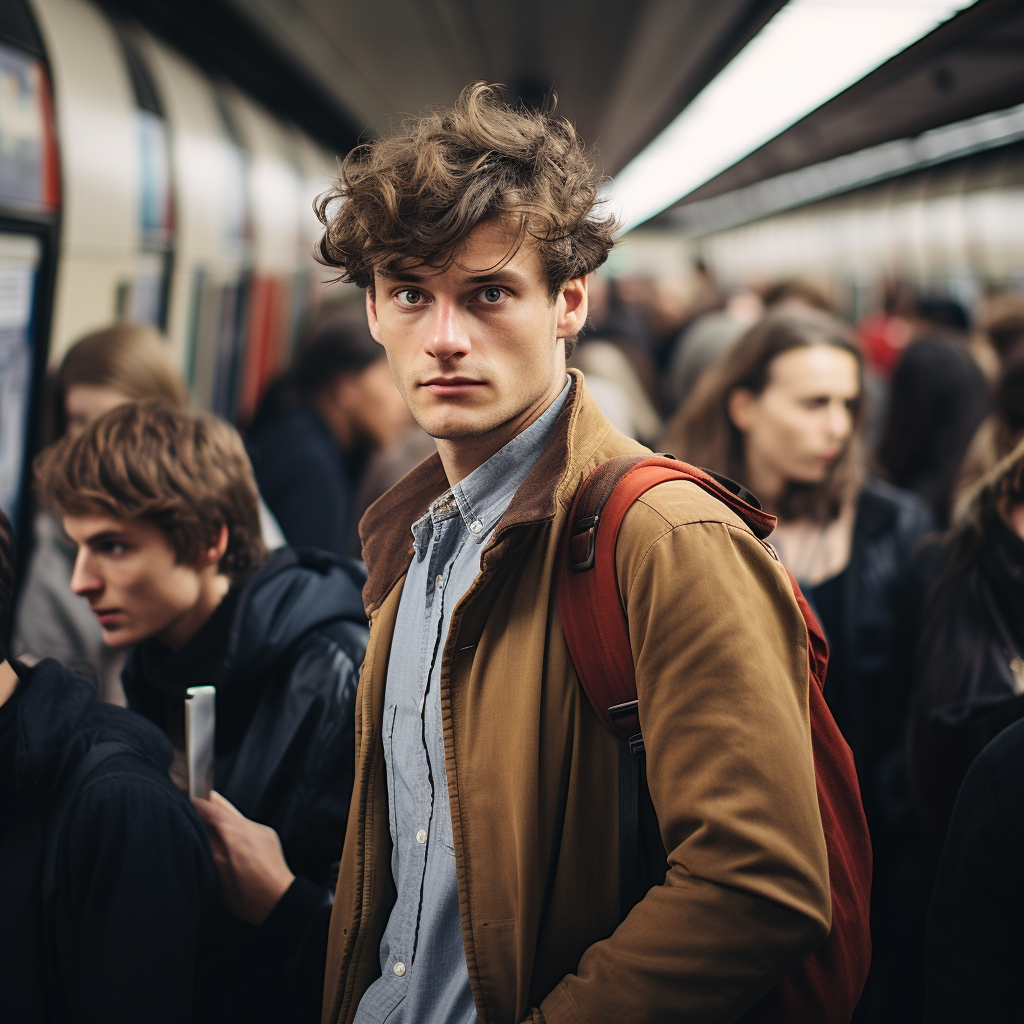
<point>443,842</point>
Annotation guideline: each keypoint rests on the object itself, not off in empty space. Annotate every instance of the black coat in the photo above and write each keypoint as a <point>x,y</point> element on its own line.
<point>969,672</point>
<point>307,481</point>
<point>975,940</point>
<point>133,873</point>
<point>865,688</point>
<point>284,651</point>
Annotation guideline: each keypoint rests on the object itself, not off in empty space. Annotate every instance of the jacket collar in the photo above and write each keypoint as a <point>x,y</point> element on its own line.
<point>386,528</point>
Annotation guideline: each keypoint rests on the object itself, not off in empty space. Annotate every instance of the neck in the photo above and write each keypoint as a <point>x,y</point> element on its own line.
<point>766,485</point>
<point>8,682</point>
<point>178,632</point>
<point>461,455</point>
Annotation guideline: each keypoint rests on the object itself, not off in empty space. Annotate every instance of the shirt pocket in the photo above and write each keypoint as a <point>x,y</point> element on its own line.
<point>388,734</point>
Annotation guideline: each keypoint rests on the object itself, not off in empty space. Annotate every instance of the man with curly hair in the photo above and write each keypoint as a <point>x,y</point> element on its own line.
<point>479,878</point>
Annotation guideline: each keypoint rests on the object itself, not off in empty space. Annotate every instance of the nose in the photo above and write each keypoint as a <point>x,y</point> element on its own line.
<point>449,338</point>
<point>840,420</point>
<point>84,580</point>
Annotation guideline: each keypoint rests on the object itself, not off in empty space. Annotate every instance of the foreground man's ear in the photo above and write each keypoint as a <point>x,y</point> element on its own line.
<point>572,307</point>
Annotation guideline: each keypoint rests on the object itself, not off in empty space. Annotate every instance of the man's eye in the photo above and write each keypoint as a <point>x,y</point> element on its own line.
<point>409,297</point>
<point>492,295</point>
<point>112,547</point>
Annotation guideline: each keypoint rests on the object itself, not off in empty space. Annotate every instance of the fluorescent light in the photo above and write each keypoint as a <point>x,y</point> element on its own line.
<point>810,51</point>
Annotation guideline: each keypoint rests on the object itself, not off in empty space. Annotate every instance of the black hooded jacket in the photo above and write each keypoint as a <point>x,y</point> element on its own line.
<point>133,877</point>
<point>283,650</point>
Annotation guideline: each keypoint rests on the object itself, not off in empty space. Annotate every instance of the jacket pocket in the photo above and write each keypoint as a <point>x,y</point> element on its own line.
<point>388,734</point>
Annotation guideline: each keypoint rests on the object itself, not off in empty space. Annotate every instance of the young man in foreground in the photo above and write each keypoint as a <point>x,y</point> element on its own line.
<point>164,509</point>
<point>479,878</point>
<point>105,874</point>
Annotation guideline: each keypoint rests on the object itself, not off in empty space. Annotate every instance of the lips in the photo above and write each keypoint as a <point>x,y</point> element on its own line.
<point>106,617</point>
<point>451,386</point>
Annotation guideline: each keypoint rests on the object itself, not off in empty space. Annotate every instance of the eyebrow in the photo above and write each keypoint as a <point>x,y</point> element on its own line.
<point>103,535</point>
<point>500,276</point>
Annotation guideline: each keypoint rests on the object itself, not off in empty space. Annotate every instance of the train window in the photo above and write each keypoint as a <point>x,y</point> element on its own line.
<point>19,262</point>
<point>28,150</point>
<point>145,297</point>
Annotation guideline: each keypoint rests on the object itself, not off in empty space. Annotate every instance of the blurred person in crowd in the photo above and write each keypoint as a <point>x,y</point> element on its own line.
<point>938,398</point>
<point>940,316</point>
<point>798,293</point>
<point>704,342</point>
<point>885,334</point>
<point>617,390</point>
<point>121,363</point>
<point>106,879</point>
<point>975,944</point>
<point>1001,320</point>
<point>969,667</point>
<point>1000,432</point>
<point>486,787</point>
<point>316,429</point>
<point>125,362</point>
<point>162,506</point>
<point>781,414</point>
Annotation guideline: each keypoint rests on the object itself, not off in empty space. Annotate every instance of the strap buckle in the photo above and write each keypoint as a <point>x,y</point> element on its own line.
<point>583,543</point>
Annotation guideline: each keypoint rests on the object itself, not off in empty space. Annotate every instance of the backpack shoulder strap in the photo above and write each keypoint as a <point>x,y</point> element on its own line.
<point>590,606</point>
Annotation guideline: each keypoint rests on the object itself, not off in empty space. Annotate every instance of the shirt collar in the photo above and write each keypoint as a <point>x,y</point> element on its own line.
<point>483,496</point>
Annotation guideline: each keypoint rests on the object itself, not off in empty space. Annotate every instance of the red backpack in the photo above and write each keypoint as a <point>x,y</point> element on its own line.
<point>826,987</point>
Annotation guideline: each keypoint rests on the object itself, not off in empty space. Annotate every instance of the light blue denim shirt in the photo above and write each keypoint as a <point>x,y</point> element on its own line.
<point>424,978</point>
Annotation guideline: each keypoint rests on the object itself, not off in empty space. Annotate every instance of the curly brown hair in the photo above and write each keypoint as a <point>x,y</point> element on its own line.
<point>186,472</point>
<point>413,197</point>
<point>702,432</point>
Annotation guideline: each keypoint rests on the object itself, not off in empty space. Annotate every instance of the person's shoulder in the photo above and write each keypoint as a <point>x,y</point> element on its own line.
<point>678,503</point>
<point>910,512</point>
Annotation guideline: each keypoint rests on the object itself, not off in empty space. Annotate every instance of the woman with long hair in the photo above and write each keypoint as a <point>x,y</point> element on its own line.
<point>781,414</point>
<point>969,665</point>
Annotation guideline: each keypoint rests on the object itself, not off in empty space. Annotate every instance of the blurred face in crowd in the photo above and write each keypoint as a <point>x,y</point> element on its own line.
<point>799,424</point>
<point>129,572</point>
<point>84,402</point>
<point>476,351</point>
<point>375,408</point>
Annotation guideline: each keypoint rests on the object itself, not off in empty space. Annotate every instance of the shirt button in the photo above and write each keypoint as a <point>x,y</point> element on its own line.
<point>476,526</point>
<point>399,968</point>
<point>421,836</point>
<point>439,582</point>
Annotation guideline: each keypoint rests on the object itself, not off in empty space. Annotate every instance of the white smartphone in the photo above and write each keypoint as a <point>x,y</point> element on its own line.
<point>200,726</point>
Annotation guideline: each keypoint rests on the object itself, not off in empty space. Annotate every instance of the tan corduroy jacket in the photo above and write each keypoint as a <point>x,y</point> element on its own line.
<point>722,676</point>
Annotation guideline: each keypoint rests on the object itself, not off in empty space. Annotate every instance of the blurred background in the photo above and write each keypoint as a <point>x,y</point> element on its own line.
<point>861,159</point>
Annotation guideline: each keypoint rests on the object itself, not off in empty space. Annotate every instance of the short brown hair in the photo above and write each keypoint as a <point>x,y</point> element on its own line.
<point>412,197</point>
<point>703,433</point>
<point>186,472</point>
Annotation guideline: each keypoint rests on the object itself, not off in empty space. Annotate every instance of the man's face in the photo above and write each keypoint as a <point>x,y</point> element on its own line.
<point>477,352</point>
<point>129,573</point>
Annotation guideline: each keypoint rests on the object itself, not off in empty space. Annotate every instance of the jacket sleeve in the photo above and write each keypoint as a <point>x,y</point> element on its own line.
<point>721,660</point>
<point>138,881</point>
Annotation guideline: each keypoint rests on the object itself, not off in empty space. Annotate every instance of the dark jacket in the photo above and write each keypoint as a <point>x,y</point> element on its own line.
<point>284,651</point>
<point>975,941</point>
<point>969,671</point>
<point>307,481</point>
<point>864,688</point>
<point>133,873</point>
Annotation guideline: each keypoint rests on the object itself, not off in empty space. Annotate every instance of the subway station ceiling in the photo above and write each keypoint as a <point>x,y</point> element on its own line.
<point>341,68</point>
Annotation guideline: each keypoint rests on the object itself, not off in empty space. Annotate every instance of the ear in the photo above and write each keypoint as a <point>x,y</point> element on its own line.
<point>741,406</point>
<point>572,307</point>
<point>215,552</point>
<point>371,315</point>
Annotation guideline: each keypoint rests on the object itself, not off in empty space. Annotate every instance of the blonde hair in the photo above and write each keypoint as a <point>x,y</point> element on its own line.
<point>128,357</point>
